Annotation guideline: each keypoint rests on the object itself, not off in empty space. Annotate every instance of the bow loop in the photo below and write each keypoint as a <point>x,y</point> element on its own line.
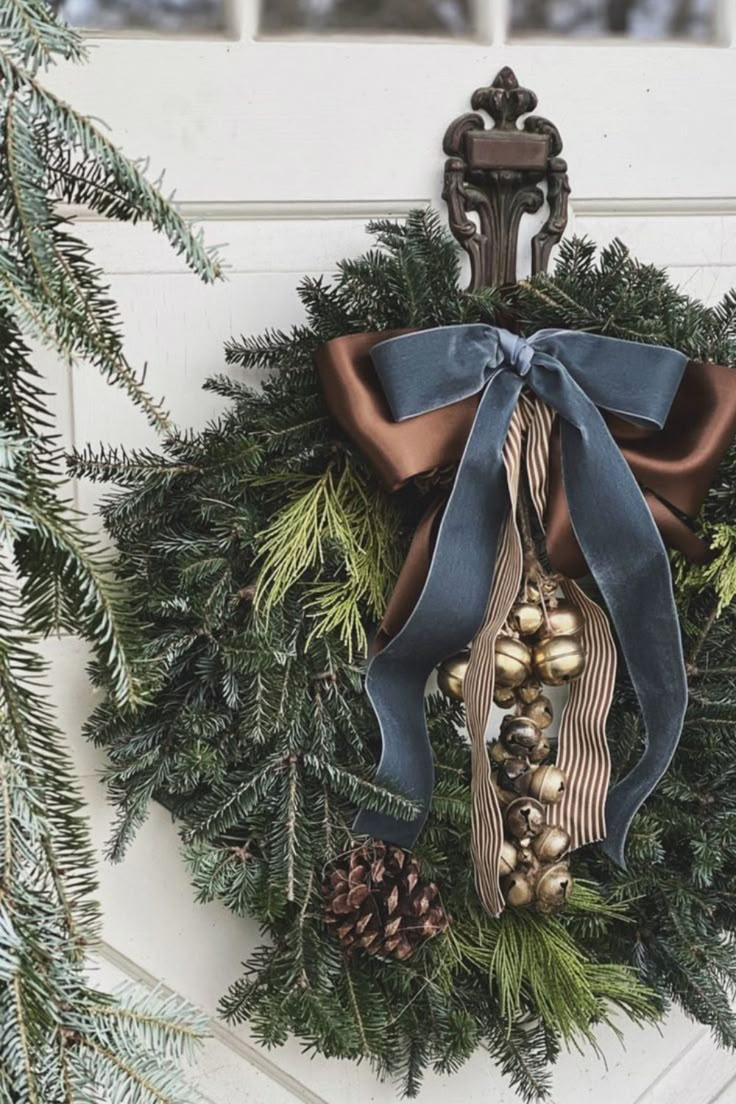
<point>428,369</point>
<point>636,382</point>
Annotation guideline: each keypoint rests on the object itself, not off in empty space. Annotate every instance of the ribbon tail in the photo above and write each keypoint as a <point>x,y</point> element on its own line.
<point>582,752</point>
<point>406,764</point>
<point>446,617</point>
<point>627,558</point>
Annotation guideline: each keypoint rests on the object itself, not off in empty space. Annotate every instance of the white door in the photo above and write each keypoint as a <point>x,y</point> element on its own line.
<point>283,137</point>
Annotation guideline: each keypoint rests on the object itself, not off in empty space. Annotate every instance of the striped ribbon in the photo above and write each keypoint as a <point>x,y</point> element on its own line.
<point>583,750</point>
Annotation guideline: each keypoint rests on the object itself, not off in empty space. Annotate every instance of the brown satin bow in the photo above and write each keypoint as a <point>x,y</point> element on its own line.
<point>674,466</point>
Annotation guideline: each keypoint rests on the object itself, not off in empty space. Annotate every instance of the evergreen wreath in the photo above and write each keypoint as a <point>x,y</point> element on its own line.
<point>259,551</point>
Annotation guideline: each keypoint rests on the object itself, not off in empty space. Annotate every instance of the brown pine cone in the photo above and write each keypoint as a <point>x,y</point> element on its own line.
<point>376,901</point>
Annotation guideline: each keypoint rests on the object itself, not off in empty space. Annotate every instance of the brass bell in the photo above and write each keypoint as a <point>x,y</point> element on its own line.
<point>526,618</point>
<point>507,859</point>
<point>544,586</point>
<point>513,661</point>
<point>513,774</point>
<point>504,696</point>
<point>529,691</point>
<point>451,675</point>
<point>518,890</point>
<point>562,619</point>
<point>527,861</point>
<point>541,752</point>
<point>551,844</point>
<point>554,887</point>
<point>504,797</point>
<point>525,818</point>
<point>547,785</point>
<point>524,853</point>
<point>539,711</point>
<point>520,735</point>
<point>499,753</point>
<point>559,660</point>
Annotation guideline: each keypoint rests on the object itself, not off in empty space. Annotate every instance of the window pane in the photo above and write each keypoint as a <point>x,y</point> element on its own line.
<point>444,17</point>
<point>160,15</point>
<point>643,19</point>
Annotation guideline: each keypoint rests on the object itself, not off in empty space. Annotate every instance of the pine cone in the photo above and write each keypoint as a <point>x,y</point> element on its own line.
<point>375,901</point>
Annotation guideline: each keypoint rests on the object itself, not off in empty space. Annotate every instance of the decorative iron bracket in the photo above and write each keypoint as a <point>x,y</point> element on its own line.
<point>495,173</point>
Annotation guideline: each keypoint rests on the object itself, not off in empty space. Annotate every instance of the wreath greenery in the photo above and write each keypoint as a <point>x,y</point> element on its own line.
<point>259,550</point>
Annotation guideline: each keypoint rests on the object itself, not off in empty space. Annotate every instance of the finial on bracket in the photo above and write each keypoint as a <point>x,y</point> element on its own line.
<point>496,172</point>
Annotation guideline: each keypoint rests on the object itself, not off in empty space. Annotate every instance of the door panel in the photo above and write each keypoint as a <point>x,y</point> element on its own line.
<point>354,120</point>
<point>283,146</point>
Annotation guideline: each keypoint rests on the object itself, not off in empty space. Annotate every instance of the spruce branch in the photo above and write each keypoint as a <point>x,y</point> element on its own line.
<point>36,36</point>
<point>60,1041</point>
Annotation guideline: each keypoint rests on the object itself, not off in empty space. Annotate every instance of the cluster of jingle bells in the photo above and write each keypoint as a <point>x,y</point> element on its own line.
<point>539,646</point>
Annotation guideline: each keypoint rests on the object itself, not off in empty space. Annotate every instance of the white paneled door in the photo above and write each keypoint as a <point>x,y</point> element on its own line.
<point>284,129</point>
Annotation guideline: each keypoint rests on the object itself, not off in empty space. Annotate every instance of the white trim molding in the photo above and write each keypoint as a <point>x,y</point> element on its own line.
<point>653,206</point>
<point>234,1043</point>
<point>362,210</point>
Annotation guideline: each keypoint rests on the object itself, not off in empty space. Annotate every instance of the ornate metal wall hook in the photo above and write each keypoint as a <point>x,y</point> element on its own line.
<point>496,172</point>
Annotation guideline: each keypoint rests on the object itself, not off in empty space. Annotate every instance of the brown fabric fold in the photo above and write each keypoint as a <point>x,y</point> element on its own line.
<point>398,450</point>
<point>674,465</point>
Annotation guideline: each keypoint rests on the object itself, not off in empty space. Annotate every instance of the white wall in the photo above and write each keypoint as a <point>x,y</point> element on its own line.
<point>284,151</point>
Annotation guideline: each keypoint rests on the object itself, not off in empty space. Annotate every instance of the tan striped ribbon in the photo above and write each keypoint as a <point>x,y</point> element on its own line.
<point>583,750</point>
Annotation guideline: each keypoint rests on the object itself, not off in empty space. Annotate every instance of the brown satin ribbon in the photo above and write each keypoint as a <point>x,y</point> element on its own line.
<point>674,465</point>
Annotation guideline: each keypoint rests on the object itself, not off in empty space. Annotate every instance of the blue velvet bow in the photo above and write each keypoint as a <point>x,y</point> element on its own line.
<point>578,375</point>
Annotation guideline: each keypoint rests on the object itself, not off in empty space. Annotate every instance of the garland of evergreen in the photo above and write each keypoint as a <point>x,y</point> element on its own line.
<point>257,550</point>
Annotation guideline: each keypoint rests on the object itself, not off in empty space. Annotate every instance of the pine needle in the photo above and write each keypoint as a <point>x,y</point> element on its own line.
<point>338,536</point>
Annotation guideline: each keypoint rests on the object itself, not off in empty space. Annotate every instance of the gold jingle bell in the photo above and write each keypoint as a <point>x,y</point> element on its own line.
<point>541,752</point>
<point>504,696</point>
<point>451,675</point>
<point>559,660</point>
<point>504,797</point>
<point>525,818</point>
<point>514,774</point>
<point>520,735</point>
<point>545,586</point>
<point>499,753</point>
<point>562,619</point>
<point>539,711</point>
<point>526,618</point>
<point>529,691</point>
<point>527,861</point>
<point>547,785</point>
<point>507,859</point>
<point>518,890</point>
<point>554,887</point>
<point>513,661</point>
<point>551,844</point>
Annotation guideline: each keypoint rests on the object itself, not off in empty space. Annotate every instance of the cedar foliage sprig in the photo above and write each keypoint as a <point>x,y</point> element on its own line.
<point>259,739</point>
<point>61,1040</point>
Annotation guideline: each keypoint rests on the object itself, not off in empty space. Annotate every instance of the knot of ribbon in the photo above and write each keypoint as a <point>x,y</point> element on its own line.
<point>517,352</point>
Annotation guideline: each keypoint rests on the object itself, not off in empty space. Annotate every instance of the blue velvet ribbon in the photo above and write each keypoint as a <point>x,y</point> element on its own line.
<point>578,375</point>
